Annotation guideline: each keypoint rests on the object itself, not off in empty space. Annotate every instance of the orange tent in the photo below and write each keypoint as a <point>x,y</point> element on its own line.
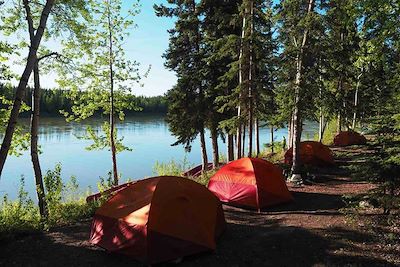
<point>159,219</point>
<point>349,138</point>
<point>250,182</point>
<point>312,153</point>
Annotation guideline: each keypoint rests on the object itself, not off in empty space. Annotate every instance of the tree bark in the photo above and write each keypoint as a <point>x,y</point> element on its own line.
<point>231,155</point>
<point>296,175</point>
<point>112,107</point>
<point>239,145</point>
<point>204,157</point>
<point>339,122</point>
<point>321,126</point>
<point>290,136</point>
<point>244,140</point>
<point>257,132</point>
<point>353,125</point>
<point>19,95</point>
<point>272,139</point>
<point>214,138</point>
<point>250,84</point>
<point>35,116</point>
<point>34,143</point>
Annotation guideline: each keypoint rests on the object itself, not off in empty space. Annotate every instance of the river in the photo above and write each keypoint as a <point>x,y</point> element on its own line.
<point>147,135</point>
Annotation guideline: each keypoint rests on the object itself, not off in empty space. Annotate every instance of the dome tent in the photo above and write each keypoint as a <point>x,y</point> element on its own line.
<point>159,219</point>
<point>348,138</point>
<point>250,182</point>
<point>312,153</point>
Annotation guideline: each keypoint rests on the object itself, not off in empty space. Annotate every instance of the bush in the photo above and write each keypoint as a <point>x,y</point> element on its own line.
<point>173,168</point>
<point>20,215</point>
<point>65,204</point>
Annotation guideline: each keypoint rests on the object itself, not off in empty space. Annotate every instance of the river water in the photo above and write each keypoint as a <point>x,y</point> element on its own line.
<point>147,135</point>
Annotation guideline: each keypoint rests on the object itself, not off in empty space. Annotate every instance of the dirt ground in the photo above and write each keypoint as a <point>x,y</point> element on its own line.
<point>311,231</point>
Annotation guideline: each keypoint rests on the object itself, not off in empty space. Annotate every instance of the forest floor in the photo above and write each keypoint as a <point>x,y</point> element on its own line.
<point>314,230</point>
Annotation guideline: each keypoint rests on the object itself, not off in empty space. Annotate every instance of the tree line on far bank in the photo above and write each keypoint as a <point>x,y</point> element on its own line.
<point>54,100</point>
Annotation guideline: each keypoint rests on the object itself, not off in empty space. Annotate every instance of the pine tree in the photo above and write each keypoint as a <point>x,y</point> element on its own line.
<point>218,26</point>
<point>186,114</point>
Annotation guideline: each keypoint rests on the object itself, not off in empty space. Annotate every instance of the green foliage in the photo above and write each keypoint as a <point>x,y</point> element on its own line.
<point>21,138</point>
<point>204,178</point>
<point>330,133</point>
<point>105,183</point>
<point>102,141</point>
<point>20,215</point>
<point>173,167</point>
<point>65,202</point>
<point>97,74</point>
<point>277,156</point>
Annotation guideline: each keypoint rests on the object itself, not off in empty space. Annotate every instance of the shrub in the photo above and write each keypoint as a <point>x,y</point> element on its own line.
<point>65,203</point>
<point>20,215</point>
<point>173,167</point>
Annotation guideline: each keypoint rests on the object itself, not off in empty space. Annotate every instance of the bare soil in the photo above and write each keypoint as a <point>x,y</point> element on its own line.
<point>311,231</point>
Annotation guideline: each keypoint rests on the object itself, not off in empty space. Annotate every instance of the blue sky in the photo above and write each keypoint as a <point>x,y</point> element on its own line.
<point>146,44</point>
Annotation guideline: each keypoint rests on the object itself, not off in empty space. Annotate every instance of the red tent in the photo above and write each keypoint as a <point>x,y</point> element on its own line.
<point>312,153</point>
<point>250,182</point>
<point>349,138</point>
<point>159,219</point>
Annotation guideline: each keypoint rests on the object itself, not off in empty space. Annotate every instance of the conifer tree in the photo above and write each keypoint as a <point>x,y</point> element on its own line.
<point>187,112</point>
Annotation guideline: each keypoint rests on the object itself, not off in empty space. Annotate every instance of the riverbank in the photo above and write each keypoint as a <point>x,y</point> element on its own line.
<point>318,229</point>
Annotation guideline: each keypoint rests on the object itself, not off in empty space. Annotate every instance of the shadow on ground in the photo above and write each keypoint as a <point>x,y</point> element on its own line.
<point>266,244</point>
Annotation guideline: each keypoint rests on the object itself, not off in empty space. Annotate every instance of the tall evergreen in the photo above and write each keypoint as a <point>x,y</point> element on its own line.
<point>186,114</point>
<point>220,30</point>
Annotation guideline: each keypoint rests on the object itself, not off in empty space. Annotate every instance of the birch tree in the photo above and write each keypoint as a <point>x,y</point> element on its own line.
<point>98,74</point>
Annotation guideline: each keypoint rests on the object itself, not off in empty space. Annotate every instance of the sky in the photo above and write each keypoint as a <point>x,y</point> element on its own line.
<point>146,44</point>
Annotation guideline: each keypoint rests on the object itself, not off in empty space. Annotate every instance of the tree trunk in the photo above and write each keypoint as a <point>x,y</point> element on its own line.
<point>214,138</point>
<point>35,116</point>
<point>257,132</point>
<point>19,95</point>
<point>112,107</point>
<point>239,139</point>
<point>250,84</point>
<point>231,155</point>
<point>296,175</point>
<point>321,126</point>
<point>244,140</point>
<point>204,157</point>
<point>339,122</point>
<point>353,125</point>
<point>34,143</point>
<point>289,141</point>
<point>239,145</point>
<point>321,115</point>
<point>250,139</point>
<point>272,139</point>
